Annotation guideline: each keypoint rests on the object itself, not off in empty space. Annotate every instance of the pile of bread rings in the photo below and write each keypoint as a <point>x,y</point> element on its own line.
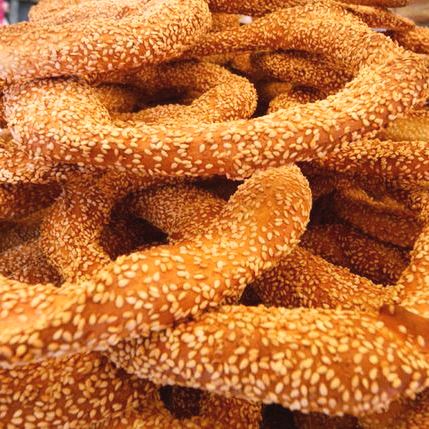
<point>215,214</point>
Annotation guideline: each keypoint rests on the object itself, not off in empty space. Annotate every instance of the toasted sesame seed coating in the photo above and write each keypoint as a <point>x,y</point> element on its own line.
<point>292,357</point>
<point>150,205</point>
<point>408,414</point>
<point>16,233</point>
<point>181,211</point>
<point>305,280</point>
<point>301,68</point>
<point>21,200</point>
<point>397,162</point>
<point>380,222</point>
<point>414,279</point>
<point>322,421</point>
<point>253,7</point>
<point>267,90</point>
<point>231,412</point>
<point>27,263</point>
<point>258,7</point>
<point>411,128</point>
<point>348,247</point>
<point>382,3</point>
<point>149,290</point>
<point>222,21</point>
<point>294,97</point>
<point>235,148</point>
<point>211,411</point>
<point>102,36</point>
<point>415,39</point>
<point>16,166</point>
<point>153,415</point>
<point>224,95</point>
<point>380,17</point>
<point>72,229</point>
<point>80,391</point>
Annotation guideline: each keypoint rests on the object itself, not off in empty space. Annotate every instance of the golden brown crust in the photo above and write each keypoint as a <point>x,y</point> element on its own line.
<point>330,364</point>
<point>159,31</point>
<point>172,281</point>
<point>305,280</point>
<point>415,39</point>
<point>81,390</point>
<point>400,229</point>
<point>301,68</point>
<point>412,128</point>
<point>384,63</point>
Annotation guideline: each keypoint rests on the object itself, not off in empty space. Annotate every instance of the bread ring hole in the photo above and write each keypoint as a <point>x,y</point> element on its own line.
<point>126,233</point>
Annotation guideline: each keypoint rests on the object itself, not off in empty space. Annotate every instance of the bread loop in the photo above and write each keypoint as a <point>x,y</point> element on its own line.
<point>102,36</point>
<point>200,272</point>
<point>234,148</point>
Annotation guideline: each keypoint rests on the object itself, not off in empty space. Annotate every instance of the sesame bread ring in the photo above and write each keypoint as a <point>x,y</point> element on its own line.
<point>234,148</point>
<point>347,247</point>
<point>71,230</point>
<point>361,346</point>
<point>400,163</point>
<point>219,95</point>
<point>81,391</point>
<point>152,289</point>
<point>415,39</point>
<point>329,361</point>
<point>302,279</point>
<point>412,128</point>
<point>301,68</point>
<point>102,36</point>
<point>384,223</point>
